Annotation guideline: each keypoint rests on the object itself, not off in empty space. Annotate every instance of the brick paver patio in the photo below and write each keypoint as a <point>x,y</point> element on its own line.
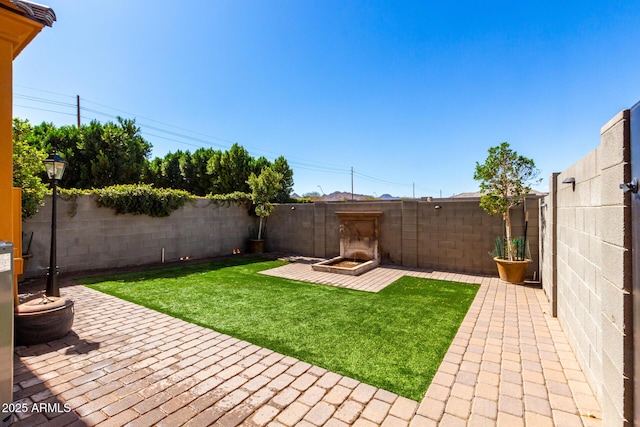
<point>509,365</point>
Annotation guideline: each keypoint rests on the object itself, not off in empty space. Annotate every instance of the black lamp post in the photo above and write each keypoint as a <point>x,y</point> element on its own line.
<point>55,166</point>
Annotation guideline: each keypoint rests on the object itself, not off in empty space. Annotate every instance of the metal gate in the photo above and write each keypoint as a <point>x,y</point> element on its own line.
<point>635,249</point>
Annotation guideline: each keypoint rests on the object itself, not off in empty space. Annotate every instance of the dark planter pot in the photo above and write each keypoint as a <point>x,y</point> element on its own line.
<point>25,263</point>
<point>36,322</point>
<point>256,246</point>
<point>512,271</point>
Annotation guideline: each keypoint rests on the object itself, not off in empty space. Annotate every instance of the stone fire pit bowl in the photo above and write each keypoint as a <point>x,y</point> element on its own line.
<point>42,320</point>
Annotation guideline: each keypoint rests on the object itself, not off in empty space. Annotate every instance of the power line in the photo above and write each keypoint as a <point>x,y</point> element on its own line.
<point>170,139</point>
<point>44,109</point>
<point>141,124</point>
<point>384,181</point>
<point>319,166</point>
<point>299,164</point>
<point>163,123</point>
<point>143,131</point>
<point>46,91</point>
<point>42,100</point>
<point>190,140</point>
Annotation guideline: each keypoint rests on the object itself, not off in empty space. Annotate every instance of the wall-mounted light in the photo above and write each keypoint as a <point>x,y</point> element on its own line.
<point>630,186</point>
<point>437,207</point>
<point>571,180</point>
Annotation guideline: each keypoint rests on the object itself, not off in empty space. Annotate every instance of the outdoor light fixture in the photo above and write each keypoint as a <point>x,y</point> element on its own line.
<point>630,186</point>
<point>571,180</point>
<point>55,166</point>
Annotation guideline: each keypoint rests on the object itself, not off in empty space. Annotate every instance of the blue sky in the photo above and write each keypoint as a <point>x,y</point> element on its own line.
<point>407,93</point>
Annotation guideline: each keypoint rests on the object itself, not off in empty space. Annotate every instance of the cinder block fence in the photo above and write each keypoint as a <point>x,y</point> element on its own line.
<point>90,237</point>
<point>580,238</point>
<point>446,234</point>
<point>586,266</point>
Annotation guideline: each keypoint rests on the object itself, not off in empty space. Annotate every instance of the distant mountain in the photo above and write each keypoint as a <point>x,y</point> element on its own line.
<point>478,194</point>
<point>337,196</point>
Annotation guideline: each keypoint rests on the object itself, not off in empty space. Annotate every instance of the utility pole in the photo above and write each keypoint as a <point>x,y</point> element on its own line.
<point>414,190</point>
<point>78,111</point>
<point>351,182</point>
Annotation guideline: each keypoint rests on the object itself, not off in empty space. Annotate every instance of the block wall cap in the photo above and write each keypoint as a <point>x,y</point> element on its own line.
<point>622,115</point>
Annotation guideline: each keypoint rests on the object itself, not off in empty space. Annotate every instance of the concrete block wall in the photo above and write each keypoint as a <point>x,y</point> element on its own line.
<point>90,237</point>
<point>549,243</point>
<point>586,266</point>
<point>296,229</point>
<point>409,236</point>
<point>456,236</point>
<point>461,231</point>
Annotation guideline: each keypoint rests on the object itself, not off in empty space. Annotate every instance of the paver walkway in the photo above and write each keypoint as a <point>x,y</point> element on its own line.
<point>127,365</point>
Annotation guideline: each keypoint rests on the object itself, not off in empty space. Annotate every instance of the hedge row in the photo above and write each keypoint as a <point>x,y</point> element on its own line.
<point>145,199</point>
<point>137,199</point>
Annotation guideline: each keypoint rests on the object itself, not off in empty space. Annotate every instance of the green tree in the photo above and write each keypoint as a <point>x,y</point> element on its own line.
<point>264,188</point>
<point>259,164</point>
<point>187,172</point>
<point>153,173</point>
<point>99,154</point>
<point>281,166</point>
<point>27,168</point>
<point>504,182</point>
<point>183,171</point>
<point>202,182</point>
<point>230,170</point>
<point>113,154</point>
<point>169,171</point>
<point>67,142</point>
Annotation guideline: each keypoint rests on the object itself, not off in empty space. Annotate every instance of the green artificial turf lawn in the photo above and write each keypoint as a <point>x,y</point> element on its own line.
<point>394,339</point>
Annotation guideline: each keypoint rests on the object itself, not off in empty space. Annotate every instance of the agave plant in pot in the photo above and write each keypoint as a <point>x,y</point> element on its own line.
<point>505,180</point>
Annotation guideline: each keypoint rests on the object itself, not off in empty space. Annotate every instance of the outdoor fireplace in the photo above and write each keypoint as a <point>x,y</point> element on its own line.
<point>359,244</point>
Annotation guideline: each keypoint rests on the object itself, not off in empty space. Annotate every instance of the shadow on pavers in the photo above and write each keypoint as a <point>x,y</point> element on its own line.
<point>33,402</point>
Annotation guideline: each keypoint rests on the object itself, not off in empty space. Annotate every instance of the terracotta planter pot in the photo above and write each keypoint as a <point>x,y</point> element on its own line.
<point>256,246</point>
<point>512,271</point>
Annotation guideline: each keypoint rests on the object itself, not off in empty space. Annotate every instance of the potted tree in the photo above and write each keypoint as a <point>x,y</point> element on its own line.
<point>264,188</point>
<point>504,182</point>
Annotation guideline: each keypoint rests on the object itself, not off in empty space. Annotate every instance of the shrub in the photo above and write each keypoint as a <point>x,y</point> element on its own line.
<point>27,168</point>
<point>72,193</point>
<point>142,199</point>
<point>237,197</point>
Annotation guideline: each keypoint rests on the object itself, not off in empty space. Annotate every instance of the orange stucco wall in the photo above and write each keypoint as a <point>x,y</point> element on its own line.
<point>6,147</point>
<point>16,32</point>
